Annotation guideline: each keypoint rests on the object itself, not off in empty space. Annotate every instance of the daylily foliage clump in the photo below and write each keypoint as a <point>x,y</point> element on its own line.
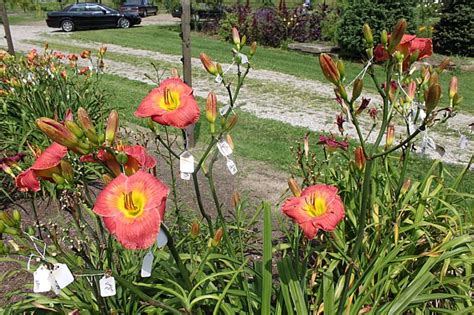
<point>357,236</point>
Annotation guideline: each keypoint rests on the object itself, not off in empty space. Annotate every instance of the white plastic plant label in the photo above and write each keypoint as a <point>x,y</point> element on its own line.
<point>62,275</point>
<point>185,176</point>
<point>231,166</point>
<point>218,79</point>
<point>224,110</point>
<point>147,265</point>
<point>107,286</point>
<point>41,280</point>
<point>186,162</point>
<point>243,59</point>
<point>224,147</point>
<point>54,285</point>
<point>161,239</point>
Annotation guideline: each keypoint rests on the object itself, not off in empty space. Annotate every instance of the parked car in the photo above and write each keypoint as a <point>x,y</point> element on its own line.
<point>201,10</point>
<point>142,7</point>
<point>90,15</point>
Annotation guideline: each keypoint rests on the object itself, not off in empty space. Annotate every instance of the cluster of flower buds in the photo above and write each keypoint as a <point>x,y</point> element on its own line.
<point>81,136</point>
<point>9,224</point>
<point>216,240</point>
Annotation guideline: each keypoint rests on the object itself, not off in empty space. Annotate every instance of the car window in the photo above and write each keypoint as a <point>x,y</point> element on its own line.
<point>93,8</point>
<point>77,8</point>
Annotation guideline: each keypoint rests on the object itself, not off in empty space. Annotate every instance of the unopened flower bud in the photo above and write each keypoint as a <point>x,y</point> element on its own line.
<point>369,39</point>
<point>231,122</point>
<point>67,171</point>
<point>112,127</point>
<point>208,64</point>
<point>75,129</point>
<point>384,38</point>
<point>406,185</point>
<point>341,68</point>
<point>342,91</point>
<point>411,91</point>
<point>174,73</point>
<point>294,187</point>
<point>219,69</point>
<point>397,34</point>
<point>102,51</point>
<point>453,87</point>
<point>211,110</point>
<point>432,96</point>
<point>329,68</point>
<point>195,228</point>
<point>253,48</point>
<point>121,158</point>
<point>243,41</point>
<point>218,237</point>
<point>357,89</point>
<point>87,126</point>
<point>390,137</point>
<point>236,37</point>
<point>457,99</point>
<point>16,215</point>
<point>57,132</point>
<point>235,199</point>
<point>434,78</point>
<point>6,218</point>
<point>150,124</point>
<point>359,158</point>
<point>414,56</point>
<point>58,179</point>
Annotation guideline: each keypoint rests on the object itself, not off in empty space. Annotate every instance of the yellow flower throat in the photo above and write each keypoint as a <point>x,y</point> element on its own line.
<point>170,100</point>
<point>132,204</point>
<point>315,206</point>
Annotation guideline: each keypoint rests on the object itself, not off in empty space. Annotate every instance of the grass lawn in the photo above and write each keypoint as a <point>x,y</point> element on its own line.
<point>272,145</point>
<point>15,18</point>
<point>167,40</point>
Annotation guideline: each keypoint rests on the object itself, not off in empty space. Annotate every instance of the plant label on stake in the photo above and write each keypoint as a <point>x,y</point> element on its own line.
<point>147,265</point>
<point>186,165</point>
<point>107,286</point>
<point>41,280</point>
<point>224,147</point>
<point>231,166</point>
<point>54,285</point>
<point>224,110</point>
<point>62,275</point>
<point>463,142</point>
<point>161,239</point>
<point>218,79</point>
<point>243,58</point>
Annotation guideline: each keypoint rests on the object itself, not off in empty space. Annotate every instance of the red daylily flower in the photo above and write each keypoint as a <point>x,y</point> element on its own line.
<point>137,159</point>
<point>318,207</point>
<point>170,104</point>
<point>133,208</point>
<point>44,167</point>
<point>332,144</point>
<point>408,45</point>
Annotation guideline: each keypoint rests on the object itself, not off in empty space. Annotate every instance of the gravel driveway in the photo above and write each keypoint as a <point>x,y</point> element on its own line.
<point>269,94</point>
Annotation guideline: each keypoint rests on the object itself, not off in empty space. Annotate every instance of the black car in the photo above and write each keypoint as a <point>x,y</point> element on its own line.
<point>142,7</point>
<point>201,11</point>
<point>90,15</point>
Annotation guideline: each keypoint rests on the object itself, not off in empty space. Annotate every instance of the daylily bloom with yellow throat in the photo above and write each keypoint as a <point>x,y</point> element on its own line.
<point>133,208</point>
<point>318,207</point>
<point>170,104</point>
<point>45,167</point>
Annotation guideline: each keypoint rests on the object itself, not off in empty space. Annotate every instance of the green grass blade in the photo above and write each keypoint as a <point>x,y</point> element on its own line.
<point>267,260</point>
<point>401,302</point>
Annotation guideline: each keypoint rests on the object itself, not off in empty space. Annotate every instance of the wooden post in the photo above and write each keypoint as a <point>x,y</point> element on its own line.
<point>186,59</point>
<point>6,26</point>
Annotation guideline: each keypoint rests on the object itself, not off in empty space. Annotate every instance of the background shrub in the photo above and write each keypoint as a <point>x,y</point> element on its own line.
<point>380,14</point>
<point>268,27</point>
<point>454,32</point>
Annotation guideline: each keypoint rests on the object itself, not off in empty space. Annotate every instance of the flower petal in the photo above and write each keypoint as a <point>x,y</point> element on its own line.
<point>186,114</point>
<point>106,202</point>
<point>50,158</point>
<point>27,180</point>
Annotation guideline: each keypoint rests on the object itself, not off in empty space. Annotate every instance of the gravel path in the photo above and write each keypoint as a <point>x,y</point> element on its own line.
<point>267,94</point>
